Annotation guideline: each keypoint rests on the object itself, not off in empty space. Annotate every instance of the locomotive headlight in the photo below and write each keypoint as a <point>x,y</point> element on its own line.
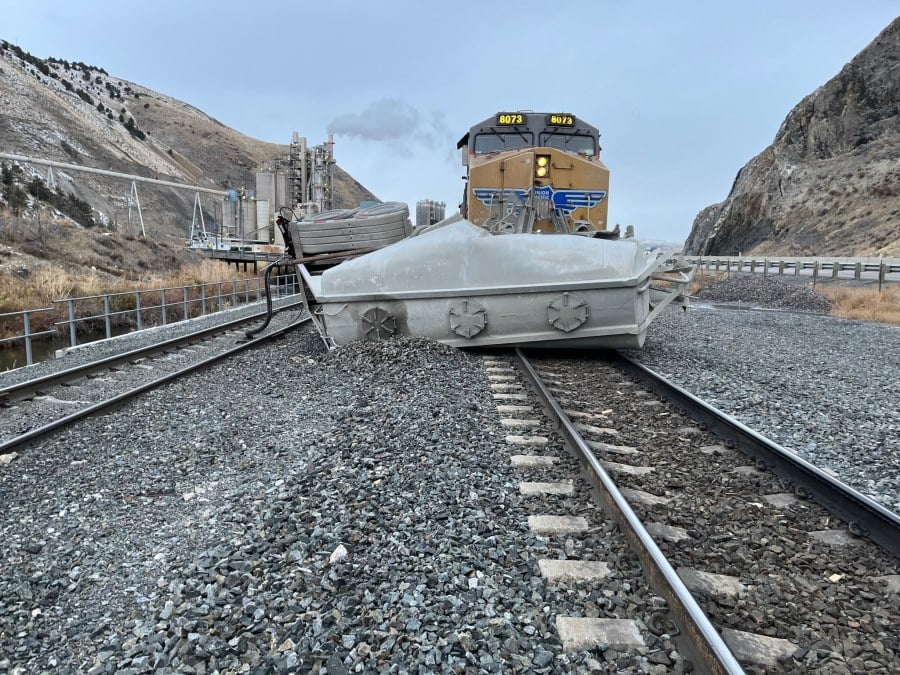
<point>542,166</point>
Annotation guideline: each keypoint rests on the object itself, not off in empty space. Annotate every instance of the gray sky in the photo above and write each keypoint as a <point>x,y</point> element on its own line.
<point>684,93</point>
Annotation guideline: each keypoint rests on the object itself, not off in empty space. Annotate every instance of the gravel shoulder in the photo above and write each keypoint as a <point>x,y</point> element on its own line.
<point>822,387</point>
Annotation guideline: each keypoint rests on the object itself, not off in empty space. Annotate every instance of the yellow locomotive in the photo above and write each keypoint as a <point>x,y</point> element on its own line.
<point>535,172</point>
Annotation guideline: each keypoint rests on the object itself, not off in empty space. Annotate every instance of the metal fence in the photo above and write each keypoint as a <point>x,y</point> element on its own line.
<point>117,313</point>
<point>28,336</point>
<point>857,269</point>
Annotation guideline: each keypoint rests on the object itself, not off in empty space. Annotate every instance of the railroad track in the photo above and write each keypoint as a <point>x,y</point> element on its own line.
<point>41,405</point>
<point>747,572</point>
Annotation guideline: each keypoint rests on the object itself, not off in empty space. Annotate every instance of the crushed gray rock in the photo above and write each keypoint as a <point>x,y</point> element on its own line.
<point>822,387</point>
<point>293,510</point>
<point>761,291</point>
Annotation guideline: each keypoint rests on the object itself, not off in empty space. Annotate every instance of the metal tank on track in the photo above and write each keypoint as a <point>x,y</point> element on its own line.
<point>528,261</point>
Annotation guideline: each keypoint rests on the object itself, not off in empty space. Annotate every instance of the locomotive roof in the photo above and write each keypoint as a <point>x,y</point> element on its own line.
<point>532,121</point>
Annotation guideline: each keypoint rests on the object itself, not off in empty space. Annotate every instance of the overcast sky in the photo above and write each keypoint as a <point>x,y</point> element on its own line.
<point>684,93</point>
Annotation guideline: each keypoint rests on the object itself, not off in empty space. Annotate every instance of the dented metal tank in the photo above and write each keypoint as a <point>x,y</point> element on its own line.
<point>461,285</point>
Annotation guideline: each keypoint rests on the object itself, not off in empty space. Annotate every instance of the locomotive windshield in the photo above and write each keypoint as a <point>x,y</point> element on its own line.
<point>578,143</point>
<point>499,141</point>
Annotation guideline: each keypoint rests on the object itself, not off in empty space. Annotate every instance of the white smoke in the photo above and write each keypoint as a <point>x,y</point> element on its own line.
<point>390,119</point>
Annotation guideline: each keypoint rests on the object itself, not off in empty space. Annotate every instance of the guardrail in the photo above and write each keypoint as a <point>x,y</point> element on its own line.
<point>28,336</point>
<point>880,269</point>
<point>133,310</point>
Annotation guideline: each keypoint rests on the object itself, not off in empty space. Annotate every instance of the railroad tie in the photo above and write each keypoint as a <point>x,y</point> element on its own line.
<point>645,498</point>
<point>699,581</point>
<point>599,431</point>
<point>514,408</point>
<point>782,499</point>
<point>615,449</point>
<point>533,461</point>
<point>514,422</point>
<point>573,570</point>
<point>891,581</point>
<point>628,469</point>
<point>759,649</point>
<point>667,532</point>
<point>577,634</point>
<point>505,386</point>
<point>557,524</point>
<point>565,487</point>
<point>837,538</point>
<point>509,396</point>
<point>527,440</point>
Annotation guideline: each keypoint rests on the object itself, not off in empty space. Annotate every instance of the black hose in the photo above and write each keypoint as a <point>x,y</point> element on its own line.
<point>268,272</point>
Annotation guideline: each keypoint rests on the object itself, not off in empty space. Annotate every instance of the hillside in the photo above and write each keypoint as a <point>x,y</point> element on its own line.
<point>829,184</point>
<point>79,114</point>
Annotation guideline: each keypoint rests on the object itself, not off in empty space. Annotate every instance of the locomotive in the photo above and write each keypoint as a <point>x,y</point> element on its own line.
<point>535,172</point>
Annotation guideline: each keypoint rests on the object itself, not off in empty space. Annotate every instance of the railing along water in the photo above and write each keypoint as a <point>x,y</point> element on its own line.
<point>28,335</point>
<point>111,314</point>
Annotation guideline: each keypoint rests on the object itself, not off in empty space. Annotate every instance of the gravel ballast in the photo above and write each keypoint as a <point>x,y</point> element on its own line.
<point>822,387</point>
<point>770,292</point>
<point>288,511</point>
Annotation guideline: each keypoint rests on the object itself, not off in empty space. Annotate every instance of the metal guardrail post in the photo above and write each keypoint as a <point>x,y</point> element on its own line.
<point>234,300</point>
<point>857,272</point>
<point>815,272</point>
<point>835,269</point>
<point>219,293</point>
<point>246,290</point>
<point>28,356</point>
<point>137,308</point>
<point>184,302</point>
<point>106,317</point>
<point>881,271</point>
<point>203,299</point>
<point>73,341</point>
<point>162,304</point>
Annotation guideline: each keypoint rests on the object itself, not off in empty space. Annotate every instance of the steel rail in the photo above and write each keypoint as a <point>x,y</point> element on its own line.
<point>39,432</point>
<point>21,389</point>
<point>707,645</point>
<point>864,516</point>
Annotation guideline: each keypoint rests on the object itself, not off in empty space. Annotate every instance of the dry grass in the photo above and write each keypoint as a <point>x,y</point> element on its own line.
<point>866,304</point>
<point>191,274</point>
<point>703,278</point>
<point>40,286</point>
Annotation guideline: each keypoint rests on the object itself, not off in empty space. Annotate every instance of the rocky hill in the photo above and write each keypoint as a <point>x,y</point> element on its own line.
<point>79,114</point>
<point>830,182</point>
